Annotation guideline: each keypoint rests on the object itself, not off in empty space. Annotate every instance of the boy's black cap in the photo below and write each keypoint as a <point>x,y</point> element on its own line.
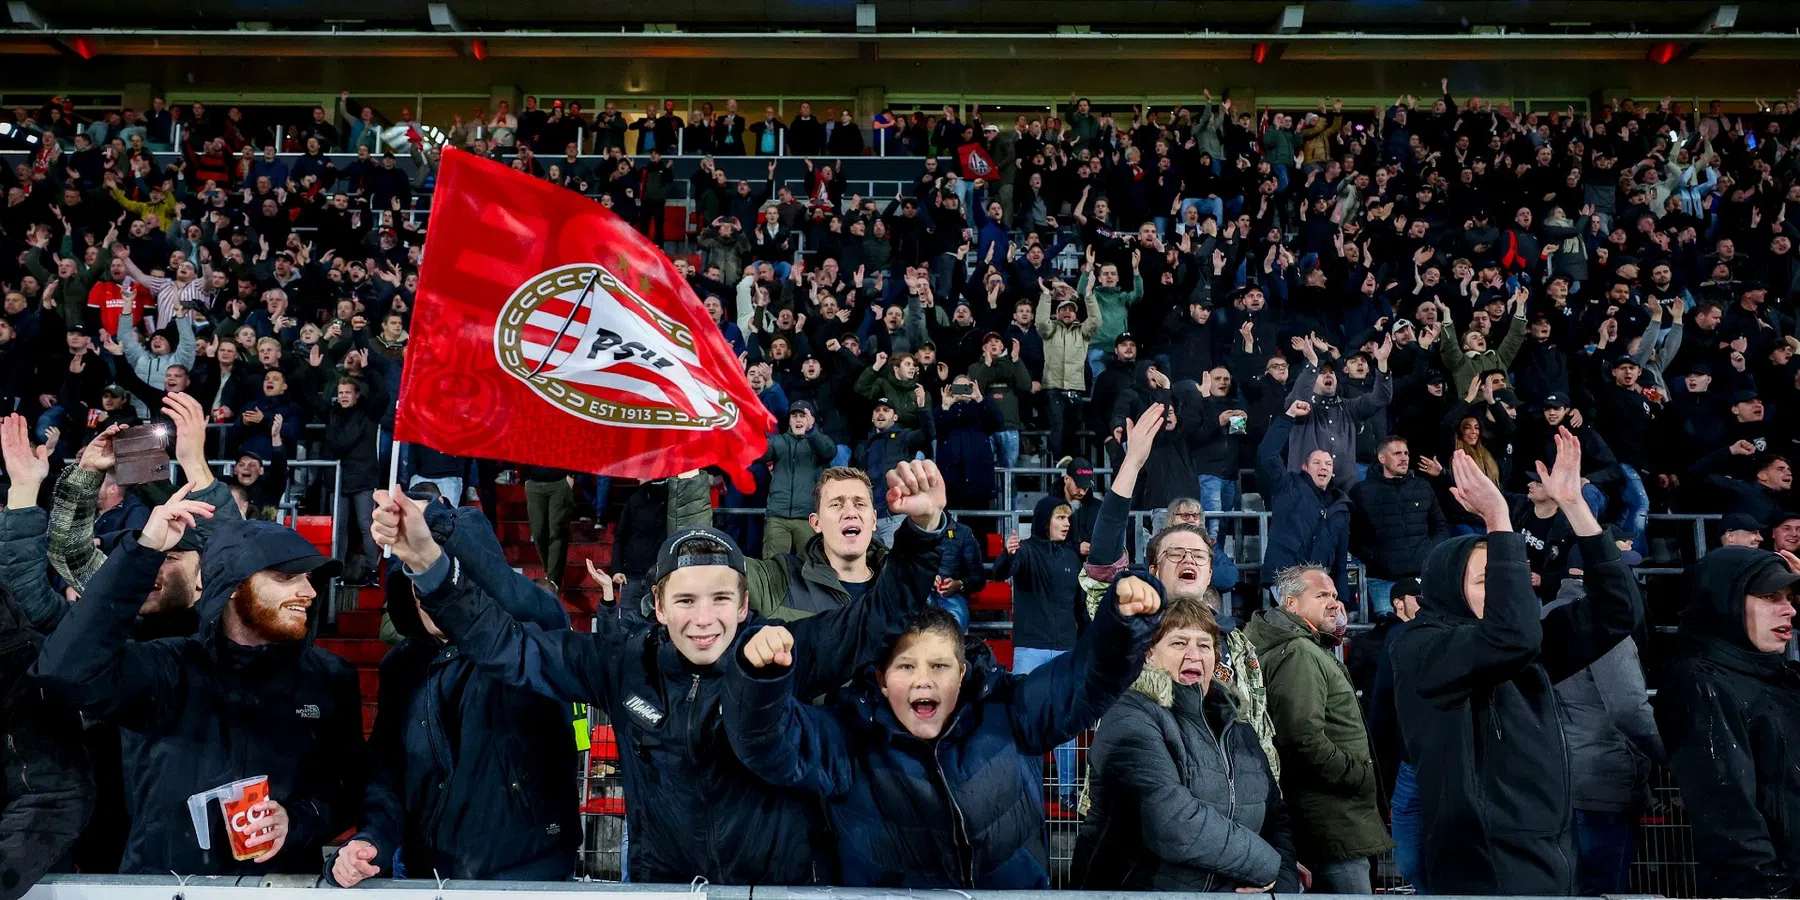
<point>679,551</point>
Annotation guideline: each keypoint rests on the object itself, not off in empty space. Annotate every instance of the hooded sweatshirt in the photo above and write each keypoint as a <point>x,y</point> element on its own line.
<point>1480,717</point>
<point>201,712</point>
<point>1049,607</point>
<point>1730,719</point>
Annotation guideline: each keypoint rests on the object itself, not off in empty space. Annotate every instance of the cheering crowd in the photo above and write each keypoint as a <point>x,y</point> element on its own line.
<point>1465,350</point>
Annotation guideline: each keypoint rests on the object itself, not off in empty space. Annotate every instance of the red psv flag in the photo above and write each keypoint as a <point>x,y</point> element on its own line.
<point>976,163</point>
<point>547,331</point>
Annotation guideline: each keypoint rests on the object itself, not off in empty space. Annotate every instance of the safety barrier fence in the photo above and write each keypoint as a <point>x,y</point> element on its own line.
<point>277,887</point>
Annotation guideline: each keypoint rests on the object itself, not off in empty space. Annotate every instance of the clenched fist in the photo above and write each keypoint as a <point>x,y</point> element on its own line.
<point>770,645</point>
<point>1138,597</point>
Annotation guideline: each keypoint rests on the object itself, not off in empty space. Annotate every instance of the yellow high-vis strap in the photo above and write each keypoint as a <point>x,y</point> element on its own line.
<point>582,735</point>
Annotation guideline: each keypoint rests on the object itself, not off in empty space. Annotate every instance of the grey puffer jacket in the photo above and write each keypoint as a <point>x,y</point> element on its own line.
<point>1181,797</point>
<point>1607,718</point>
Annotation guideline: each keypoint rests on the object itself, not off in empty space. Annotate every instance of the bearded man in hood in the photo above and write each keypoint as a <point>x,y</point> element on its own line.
<point>247,696</point>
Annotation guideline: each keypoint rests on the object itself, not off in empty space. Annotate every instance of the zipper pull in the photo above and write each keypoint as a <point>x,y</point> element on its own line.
<point>694,689</point>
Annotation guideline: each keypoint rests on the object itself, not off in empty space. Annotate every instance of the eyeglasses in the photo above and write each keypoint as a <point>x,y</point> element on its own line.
<point>1180,556</point>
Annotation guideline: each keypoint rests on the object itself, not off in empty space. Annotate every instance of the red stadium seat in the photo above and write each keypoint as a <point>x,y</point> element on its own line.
<point>995,595</point>
<point>316,530</point>
<point>1002,650</point>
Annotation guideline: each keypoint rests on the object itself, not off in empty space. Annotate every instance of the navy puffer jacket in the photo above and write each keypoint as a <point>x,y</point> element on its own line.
<point>963,810</point>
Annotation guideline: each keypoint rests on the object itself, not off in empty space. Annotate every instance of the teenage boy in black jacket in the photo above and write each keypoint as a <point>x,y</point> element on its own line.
<point>693,809</point>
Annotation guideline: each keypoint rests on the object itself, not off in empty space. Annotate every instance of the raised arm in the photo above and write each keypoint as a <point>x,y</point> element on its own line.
<point>562,664</point>
<point>781,738</point>
<point>91,661</point>
<point>466,535</point>
<point>1515,330</point>
<point>1578,634</point>
<point>1057,701</point>
<point>839,643</point>
<point>24,550</point>
<point>1271,454</point>
<point>1446,663</point>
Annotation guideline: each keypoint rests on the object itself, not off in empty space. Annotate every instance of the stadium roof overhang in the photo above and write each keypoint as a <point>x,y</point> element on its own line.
<point>890,45</point>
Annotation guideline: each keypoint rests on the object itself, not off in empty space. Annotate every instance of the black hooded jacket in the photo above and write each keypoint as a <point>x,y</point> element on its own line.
<point>1730,720</point>
<point>1478,714</point>
<point>48,788</point>
<point>1049,608</point>
<point>203,711</point>
<point>469,774</point>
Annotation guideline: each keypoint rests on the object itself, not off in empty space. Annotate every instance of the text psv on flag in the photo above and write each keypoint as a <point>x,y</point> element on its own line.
<point>548,332</point>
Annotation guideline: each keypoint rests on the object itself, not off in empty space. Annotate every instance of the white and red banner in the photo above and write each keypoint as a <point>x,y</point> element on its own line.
<point>977,165</point>
<point>548,332</point>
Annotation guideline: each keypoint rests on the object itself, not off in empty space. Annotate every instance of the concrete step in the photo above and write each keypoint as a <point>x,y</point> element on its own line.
<point>601,552</point>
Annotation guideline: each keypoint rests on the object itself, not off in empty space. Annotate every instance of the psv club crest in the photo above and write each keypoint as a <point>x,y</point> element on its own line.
<point>587,343</point>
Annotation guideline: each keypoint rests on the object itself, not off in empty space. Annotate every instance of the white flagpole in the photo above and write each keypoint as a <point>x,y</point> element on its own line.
<point>387,551</point>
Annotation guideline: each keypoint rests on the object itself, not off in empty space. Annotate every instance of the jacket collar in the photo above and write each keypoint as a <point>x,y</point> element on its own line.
<point>1292,627</point>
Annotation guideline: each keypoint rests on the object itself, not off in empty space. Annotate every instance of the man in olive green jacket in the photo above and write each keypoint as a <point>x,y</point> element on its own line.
<point>1327,772</point>
<point>836,566</point>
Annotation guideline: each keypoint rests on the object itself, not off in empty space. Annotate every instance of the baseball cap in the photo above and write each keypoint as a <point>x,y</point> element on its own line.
<point>116,391</point>
<point>1556,400</point>
<point>308,565</point>
<point>1123,337</point>
<point>1405,587</point>
<point>991,129</point>
<point>883,401</point>
<point>1069,302</point>
<point>1081,472</point>
<point>1743,397</point>
<point>679,552</point>
<point>1623,361</point>
<point>1770,577</point>
<point>1698,368</point>
<point>799,406</point>
<point>992,336</point>
<point>1739,522</point>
